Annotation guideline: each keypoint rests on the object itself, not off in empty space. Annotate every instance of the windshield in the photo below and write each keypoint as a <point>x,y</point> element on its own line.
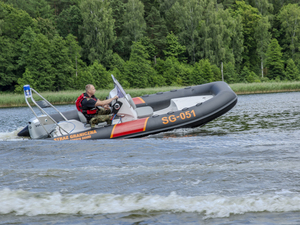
<point>120,91</point>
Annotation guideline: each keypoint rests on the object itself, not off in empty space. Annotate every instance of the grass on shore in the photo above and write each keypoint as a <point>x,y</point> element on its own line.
<point>265,87</point>
<point>69,97</point>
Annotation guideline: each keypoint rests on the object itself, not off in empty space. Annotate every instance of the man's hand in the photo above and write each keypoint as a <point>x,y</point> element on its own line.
<point>106,107</point>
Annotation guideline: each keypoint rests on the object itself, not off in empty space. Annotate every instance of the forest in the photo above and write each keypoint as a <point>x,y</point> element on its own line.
<point>57,45</point>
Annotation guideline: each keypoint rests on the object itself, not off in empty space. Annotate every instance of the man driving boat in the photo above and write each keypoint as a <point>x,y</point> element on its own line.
<point>93,109</point>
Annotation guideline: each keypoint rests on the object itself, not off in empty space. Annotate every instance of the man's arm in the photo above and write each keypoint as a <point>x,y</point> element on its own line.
<point>105,102</point>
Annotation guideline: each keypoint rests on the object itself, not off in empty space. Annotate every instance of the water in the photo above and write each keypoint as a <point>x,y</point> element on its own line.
<point>242,168</point>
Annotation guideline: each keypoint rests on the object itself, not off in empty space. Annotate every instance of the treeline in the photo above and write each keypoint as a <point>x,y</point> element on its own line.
<point>58,45</point>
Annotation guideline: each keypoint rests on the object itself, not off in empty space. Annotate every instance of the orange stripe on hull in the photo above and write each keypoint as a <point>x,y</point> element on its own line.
<point>127,128</point>
<point>138,100</point>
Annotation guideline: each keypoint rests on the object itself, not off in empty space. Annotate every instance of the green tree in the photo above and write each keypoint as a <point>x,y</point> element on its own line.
<point>207,73</point>
<point>34,8</point>
<point>230,75</point>
<point>69,21</point>
<point>150,48</point>
<point>156,31</point>
<point>226,3</point>
<point>189,15</point>
<point>169,70</point>
<point>291,71</point>
<point>27,78</point>
<point>118,11</point>
<point>138,70</point>
<point>173,47</point>
<point>13,23</point>
<point>117,62</point>
<point>263,37</point>
<point>244,74</point>
<point>278,4</point>
<point>61,65</point>
<point>117,69</point>
<point>237,40</point>
<point>26,41</point>
<point>250,18</point>
<point>134,23</point>
<point>39,64</point>
<point>252,77</point>
<point>264,7</point>
<point>60,5</point>
<point>217,76</point>
<point>177,73</point>
<point>45,27</point>
<point>148,4</point>
<point>100,75</point>
<point>217,29</point>
<point>184,74</point>
<point>8,76</point>
<point>202,72</point>
<point>57,66</point>
<point>98,30</point>
<point>74,55</point>
<point>160,66</point>
<point>84,78</point>
<point>274,61</point>
<point>165,9</point>
<point>289,17</point>
<point>197,74</point>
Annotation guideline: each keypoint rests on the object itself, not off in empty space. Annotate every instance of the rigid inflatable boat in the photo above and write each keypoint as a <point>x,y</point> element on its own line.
<point>134,117</point>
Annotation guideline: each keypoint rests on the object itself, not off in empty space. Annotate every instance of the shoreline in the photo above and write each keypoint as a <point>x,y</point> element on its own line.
<point>15,105</point>
<point>266,92</point>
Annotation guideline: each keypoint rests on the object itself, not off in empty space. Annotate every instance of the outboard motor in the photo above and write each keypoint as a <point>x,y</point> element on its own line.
<point>40,126</point>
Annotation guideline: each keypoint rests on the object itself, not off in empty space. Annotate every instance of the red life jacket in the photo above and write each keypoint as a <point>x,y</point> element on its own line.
<point>79,106</point>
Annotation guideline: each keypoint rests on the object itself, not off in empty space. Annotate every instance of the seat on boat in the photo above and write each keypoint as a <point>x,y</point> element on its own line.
<point>83,119</point>
<point>145,111</point>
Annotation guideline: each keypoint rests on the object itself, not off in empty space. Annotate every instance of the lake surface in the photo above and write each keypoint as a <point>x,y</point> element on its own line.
<point>243,168</point>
